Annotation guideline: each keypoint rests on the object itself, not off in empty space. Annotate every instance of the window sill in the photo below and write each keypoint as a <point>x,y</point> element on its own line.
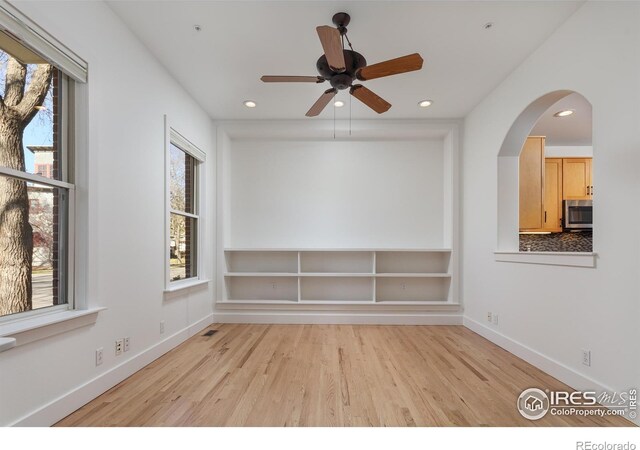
<point>186,284</point>
<point>35,328</point>
<point>571,259</point>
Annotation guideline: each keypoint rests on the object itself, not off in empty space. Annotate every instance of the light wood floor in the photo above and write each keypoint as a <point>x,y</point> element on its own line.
<point>328,375</point>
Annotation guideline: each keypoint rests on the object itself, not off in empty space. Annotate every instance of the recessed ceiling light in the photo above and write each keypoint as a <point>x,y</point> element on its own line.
<point>564,113</point>
<point>338,104</point>
<point>250,104</point>
<point>425,103</point>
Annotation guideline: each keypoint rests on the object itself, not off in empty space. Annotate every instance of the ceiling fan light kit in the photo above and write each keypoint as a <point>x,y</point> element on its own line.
<point>341,67</point>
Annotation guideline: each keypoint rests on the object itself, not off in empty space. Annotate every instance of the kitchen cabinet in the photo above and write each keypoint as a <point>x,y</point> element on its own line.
<point>531,184</point>
<point>577,179</point>
<point>546,182</point>
<point>552,220</point>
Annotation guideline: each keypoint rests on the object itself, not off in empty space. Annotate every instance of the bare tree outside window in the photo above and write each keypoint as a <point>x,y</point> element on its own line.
<point>27,211</point>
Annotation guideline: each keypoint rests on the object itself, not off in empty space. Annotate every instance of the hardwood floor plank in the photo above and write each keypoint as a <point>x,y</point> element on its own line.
<point>328,375</point>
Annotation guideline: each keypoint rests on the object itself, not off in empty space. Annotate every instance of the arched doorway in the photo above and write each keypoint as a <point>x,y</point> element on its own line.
<point>569,140</point>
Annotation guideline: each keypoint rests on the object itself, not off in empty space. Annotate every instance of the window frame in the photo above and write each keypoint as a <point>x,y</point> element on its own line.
<point>29,326</point>
<point>174,137</point>
<point>68,217</point>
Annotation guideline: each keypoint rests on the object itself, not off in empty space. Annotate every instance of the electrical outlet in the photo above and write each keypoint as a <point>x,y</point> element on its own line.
<point>404,286</point>
<point>586,357</point>
<point>126,344</point>
<point>119,345</point>
<point>495,319</point>
<point>99,356</point>
<point>162,327</point>
<point>274,285</point>
<point>489,317</point>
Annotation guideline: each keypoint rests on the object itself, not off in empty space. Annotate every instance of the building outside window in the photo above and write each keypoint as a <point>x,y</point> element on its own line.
<point>184,205</point>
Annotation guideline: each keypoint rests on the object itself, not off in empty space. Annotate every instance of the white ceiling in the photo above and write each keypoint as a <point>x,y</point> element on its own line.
<point>573,130</point>
<point>241,40</point>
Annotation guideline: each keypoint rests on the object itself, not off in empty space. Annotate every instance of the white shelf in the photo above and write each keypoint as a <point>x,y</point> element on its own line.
<point>413,302</point>
<point>337,274</point>
<point>336,302</point>
<point>260,301</point>
<point>413,275</point>
<point>260,274</point>
<point>433,250</point>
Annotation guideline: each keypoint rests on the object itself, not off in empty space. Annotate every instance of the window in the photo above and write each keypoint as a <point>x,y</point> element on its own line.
<point>40,84</point>
<point>184,206</point>
<point>36,189</point>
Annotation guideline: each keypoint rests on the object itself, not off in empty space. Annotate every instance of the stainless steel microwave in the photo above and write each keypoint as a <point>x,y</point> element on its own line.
<point>578,214</point>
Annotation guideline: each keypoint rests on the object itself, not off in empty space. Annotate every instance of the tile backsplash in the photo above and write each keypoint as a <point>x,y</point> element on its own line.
<point>557,242</point>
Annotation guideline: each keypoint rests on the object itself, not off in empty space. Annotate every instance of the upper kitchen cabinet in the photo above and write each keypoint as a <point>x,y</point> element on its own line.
<point>577,181</point>
<point>532,184</point>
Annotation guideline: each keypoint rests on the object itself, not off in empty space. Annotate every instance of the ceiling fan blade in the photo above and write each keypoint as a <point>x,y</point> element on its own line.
<point>290,79</point>
<point>395,66</point>
<point>373,101</point>
<point>332,45</point>
<point>323,101</point>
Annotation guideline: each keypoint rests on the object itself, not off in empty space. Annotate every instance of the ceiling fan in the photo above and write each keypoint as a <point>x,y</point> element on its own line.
<point>342,67</point>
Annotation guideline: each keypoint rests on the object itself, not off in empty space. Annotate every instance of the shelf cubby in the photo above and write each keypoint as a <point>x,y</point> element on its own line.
<point>262,288</point>
<point>349,289</point>
<point>412,289</point>
<point>336,262</point>
<point>262,262</point>
<point>421,262</point>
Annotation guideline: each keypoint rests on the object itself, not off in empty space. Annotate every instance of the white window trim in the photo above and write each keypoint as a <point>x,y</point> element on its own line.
<point>571,259</point>
<point>32,36</point>
<point>172,136</point>
<point>20,332</point>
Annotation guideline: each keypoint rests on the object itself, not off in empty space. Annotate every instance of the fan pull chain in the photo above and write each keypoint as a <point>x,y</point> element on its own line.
<point>350,114</point>
<point>334,120</point>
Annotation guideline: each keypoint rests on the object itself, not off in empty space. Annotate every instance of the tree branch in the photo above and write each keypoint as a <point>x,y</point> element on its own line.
<point>36,92</point>
<point>15,80</point>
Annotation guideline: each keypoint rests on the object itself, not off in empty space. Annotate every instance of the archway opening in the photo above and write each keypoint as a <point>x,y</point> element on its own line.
<point>545,182</point>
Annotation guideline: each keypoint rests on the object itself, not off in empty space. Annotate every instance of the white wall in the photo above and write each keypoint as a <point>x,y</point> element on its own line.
<point>128,94</point>
<point>550,310</point>
<point>336,194</point>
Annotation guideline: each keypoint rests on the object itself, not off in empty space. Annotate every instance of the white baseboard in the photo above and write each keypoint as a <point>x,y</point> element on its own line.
<point>64,405</point>
<point>333,318</point>
<point>548,365</point>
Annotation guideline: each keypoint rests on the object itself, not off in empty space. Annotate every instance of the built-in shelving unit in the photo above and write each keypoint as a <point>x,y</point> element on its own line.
<point>363,229</point>
<point>338,276</point>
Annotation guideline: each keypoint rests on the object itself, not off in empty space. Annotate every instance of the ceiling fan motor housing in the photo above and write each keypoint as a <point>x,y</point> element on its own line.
<point>342,80</point>
<point>341,20</point>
